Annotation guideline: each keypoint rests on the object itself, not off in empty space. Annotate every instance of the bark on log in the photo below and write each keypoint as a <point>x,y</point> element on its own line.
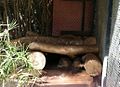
<point>89,41</point>
<point>92,64</point>
<point>57,45</point>
<point>86,40</point>
<point>29,33</point>
<point>48,40</point>
<point>63,49</point>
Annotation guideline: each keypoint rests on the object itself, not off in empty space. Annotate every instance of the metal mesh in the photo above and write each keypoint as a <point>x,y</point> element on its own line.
<point>113,69</point>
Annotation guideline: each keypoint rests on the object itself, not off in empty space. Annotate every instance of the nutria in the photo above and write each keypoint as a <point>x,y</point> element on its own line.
<point>64,63</point>
<point>77,64</point>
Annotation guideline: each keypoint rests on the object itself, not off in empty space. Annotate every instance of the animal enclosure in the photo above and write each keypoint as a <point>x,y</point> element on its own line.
<point>69,33</point>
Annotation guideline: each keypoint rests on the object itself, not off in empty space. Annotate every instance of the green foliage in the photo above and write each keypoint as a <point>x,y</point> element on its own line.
<point>14,63</point>
<point>31,15</point>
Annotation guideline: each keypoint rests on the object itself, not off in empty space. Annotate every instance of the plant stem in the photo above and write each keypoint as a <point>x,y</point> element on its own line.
<point>3,83</point>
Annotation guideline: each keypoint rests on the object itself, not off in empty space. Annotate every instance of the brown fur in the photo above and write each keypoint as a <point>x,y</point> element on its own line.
<point>64,63</point>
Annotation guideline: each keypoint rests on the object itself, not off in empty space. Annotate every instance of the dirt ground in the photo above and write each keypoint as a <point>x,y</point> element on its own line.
<point>61,78</point>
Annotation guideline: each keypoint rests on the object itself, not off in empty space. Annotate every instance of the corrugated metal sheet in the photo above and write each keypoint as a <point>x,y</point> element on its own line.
<point>113,68</point>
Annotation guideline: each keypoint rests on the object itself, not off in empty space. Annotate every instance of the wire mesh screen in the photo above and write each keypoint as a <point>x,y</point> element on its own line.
<point>113,69</point>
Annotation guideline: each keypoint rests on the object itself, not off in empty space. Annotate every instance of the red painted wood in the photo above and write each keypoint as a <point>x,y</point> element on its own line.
<point>88,16</point>
<point>67,16</point>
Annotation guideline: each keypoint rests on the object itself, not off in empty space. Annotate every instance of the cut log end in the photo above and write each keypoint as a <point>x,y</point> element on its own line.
<point>92,65</point>
<point>37,59</point>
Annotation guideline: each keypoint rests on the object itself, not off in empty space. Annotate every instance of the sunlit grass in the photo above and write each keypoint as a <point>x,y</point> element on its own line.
<point>14,61</point>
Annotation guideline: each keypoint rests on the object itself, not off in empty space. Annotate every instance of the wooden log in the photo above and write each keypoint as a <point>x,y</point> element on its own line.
<point>57,45</point>
<point>70,37</point>
<point>48,40</point>
<point>29,33</point>
<point>89,41</point>
<point>37,59</point>
<point>63,49</point>
<point>86,41</point>
<point>92,64</point>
